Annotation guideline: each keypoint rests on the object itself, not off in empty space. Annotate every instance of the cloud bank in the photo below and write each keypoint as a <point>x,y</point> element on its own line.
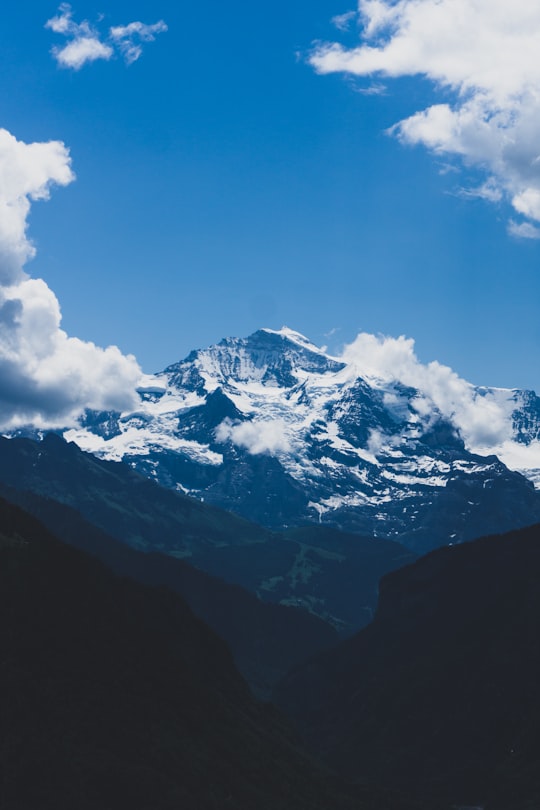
<point>86,44</point>
<point>482,57</point>
<point>482,420</point>
<point>47,379</point>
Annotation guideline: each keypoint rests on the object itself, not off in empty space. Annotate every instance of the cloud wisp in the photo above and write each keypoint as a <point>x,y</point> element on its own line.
<point>344,21</point>
<point>87,44</point>
<point>523,230</point>
<point>47,379</point>
<point>129,38</point>
<point>482,58</point>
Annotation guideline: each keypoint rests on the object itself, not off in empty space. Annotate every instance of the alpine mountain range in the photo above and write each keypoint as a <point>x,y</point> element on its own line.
<point>135,596</point>
<point>277,430</point>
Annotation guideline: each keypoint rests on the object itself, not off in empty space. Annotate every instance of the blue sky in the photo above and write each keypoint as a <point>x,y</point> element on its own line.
<point>224,183</point>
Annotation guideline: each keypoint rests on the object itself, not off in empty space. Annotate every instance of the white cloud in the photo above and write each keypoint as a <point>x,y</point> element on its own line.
<point>343,21</point>
<point>375,89</point>
<point>63,22</point>
<point>481,420</point>
<point>523,230</point>
<point>46,378</point>
<point>86,44</point>
<point>257,437</point>
<point>27,172</point>
<point>482,55</point>
<point>129,37</point>
<point>487,191</point>
<point>81,51</point>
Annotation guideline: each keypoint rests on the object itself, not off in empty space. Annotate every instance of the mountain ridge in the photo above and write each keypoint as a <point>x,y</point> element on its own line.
<point>277,430</point>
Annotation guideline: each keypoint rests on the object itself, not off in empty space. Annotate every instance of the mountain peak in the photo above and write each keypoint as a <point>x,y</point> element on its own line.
<point>268,419</point>
<point>272,358</point>
<point>295,337</point>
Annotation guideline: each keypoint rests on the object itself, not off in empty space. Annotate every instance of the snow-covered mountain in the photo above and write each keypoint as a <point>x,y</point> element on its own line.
<point>276,429</point>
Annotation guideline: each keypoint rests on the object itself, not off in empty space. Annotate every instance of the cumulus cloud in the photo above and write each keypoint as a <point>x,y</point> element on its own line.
<point>86,43</point>
<point>482,56</point>
<point>481,420</point>
<point>257,437</point>
<point>46,378</point>
<point>27,172</point>
<point>80,51</point>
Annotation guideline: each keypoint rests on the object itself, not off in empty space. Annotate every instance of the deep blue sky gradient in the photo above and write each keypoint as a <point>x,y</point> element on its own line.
<point>223,186</point>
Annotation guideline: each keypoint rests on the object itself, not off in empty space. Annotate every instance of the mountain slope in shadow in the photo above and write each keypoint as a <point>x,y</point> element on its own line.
<point>439,695</point>
<point>115,695</point>
<point>332,574</point>
<point>267,640</point>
